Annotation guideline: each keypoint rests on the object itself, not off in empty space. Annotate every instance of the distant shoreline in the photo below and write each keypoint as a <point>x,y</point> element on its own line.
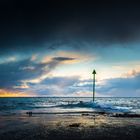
<point>68,97</point>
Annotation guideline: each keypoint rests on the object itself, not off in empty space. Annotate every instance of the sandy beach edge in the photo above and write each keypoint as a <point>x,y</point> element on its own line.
<point>69,127</point>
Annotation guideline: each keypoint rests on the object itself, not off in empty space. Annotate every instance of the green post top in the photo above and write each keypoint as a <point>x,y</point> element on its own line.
<point>94,72</point>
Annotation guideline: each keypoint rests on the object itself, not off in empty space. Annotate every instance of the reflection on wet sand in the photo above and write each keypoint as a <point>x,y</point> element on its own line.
<point>68,127</point>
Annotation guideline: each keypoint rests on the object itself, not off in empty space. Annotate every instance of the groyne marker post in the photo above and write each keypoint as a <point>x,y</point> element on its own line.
<point>94,73</point>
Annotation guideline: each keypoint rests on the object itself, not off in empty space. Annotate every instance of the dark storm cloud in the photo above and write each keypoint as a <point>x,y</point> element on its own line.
<point>30,24</point>
<point>63,58</point>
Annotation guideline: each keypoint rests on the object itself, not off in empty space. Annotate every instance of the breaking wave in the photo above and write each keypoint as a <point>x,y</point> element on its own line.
<point>111,105</point>
<point>96,106</point>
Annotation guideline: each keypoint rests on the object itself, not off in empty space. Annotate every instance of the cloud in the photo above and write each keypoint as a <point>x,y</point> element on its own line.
<point>54,86</point>
<point>62,86</point>
<point>12,73</point>
<point>17,74</point>
<point>63,58</point>
<point>132,73</point>
<point>89,21</point>
<point>121,87</point>
<point>66,60</point>
<point>8,59</point>
<point>68,57</point>
<point>74,86</point>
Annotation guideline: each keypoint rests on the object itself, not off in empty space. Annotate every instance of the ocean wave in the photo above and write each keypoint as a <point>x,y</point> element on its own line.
<point>95,106</point>
<point>70,104</point>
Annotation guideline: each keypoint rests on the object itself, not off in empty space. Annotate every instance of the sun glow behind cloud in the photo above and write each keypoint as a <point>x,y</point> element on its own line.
<point>7,93</point>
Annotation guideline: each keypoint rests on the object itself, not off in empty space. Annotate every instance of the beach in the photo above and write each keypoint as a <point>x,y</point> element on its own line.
<point>69,118</point>
<point>68,127</point>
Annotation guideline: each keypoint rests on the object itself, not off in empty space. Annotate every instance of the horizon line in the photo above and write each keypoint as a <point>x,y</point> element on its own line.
<point>66,97</point>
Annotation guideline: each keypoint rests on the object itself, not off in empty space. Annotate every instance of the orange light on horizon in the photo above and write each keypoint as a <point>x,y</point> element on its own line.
<point>6,93</point>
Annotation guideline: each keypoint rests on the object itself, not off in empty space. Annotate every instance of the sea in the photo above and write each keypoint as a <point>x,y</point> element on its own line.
<point>21,105</point>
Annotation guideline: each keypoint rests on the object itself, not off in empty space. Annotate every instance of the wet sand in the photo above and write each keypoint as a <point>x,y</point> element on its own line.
<point>68,127</point>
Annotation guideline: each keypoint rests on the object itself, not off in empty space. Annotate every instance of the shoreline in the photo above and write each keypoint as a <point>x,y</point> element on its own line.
<point>89,113</point>
<point>69,127</point>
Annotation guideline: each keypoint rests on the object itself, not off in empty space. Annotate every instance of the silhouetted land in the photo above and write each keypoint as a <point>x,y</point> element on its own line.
<point>69,127</point>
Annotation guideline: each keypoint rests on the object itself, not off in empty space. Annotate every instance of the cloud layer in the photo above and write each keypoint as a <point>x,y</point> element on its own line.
<point>69,36</point>
<point>29,76</point>
<point>30,25</point>
<point>16,73</point>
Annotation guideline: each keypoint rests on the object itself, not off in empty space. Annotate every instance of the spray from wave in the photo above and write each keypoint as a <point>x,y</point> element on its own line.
<point>107,105</point>
<point>93,105</point>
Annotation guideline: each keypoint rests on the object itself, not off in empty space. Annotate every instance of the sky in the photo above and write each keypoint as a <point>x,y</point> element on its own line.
<point>50,48</point>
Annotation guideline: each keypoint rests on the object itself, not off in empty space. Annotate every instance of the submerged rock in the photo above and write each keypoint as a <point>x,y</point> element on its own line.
<point>29,113</point>
<point>75,125</point>
<point>126,115</point>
